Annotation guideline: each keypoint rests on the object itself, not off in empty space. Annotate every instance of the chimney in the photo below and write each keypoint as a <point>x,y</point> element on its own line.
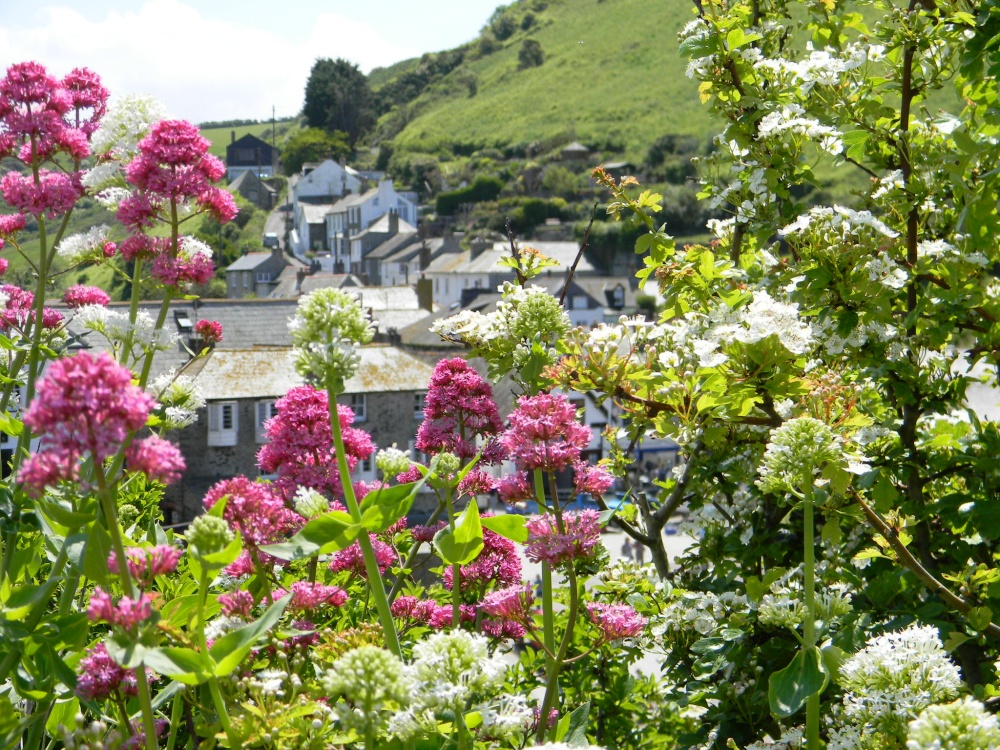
<point>425,294</point>
<point>477,246</point>
<point>425,256</point>
<point>232,136</point>
<point>343,162</point>
<point>393,222</point>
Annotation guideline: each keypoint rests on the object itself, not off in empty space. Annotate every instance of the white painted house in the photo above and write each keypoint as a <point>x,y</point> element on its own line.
<point>325,182</point>
<point>356,212</point>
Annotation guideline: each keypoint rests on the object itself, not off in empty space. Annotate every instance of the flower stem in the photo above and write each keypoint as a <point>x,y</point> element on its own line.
<point>456,569</point>
<point>375,584</point>
<point>176,714</point>
<point>213,682</point>
<point>548,616</point>
<point>552,675</point>
<point>809,582</point>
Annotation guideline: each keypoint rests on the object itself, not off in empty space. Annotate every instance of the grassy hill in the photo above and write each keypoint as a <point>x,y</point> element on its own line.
<point>612,78</point>
<point>221,137</point>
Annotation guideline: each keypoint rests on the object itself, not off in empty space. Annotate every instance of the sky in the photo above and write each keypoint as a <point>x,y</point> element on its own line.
<point>228,59</point>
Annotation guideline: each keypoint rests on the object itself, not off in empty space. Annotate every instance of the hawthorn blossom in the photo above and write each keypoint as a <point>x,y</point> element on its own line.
<point>616,621</point>
<point>85,405</point>
<point>545,434</point>
<point>546,543</point>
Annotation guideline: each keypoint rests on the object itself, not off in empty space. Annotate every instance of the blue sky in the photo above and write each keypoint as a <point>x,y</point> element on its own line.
<point>222,59</point>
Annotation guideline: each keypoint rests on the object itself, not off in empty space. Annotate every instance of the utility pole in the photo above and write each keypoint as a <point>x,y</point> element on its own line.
<point>272,126</point>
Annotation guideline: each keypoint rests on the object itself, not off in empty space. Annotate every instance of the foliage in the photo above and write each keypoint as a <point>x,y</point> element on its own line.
<point>313,144</point>
<point>338,97</point>
<point>483,188</point>
<point>530,55</point>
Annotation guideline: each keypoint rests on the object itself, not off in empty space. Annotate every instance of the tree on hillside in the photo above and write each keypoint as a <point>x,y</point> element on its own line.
<point>313,144</point>
<point>338,98</point>
<point>531,54</point>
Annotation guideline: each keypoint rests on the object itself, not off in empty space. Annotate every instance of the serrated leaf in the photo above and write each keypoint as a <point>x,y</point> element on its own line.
<point>980,617</point>
<point>789,688</point>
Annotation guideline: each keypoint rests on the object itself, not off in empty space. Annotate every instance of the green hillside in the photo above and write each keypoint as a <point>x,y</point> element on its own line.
<point>612,78</point>
<point>221,137</point>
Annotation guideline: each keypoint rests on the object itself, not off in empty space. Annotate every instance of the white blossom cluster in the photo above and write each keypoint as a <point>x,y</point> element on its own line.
<point>763,317</point>
<point>962,725</point>
<point>785,606</point>
<point>838,223</point>
<point>791,119</point>
<point>791,739</point>
<point>309,503</point>
<point>127,121</point>
<point>702,613</point>
<point>119,331</point>
<point>180,398</point>
<point>84,245</point>
<point>825,67</point>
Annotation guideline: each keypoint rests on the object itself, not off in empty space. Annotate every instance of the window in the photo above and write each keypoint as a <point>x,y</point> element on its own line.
<point>578,302</point>
<point>265,410</point>
<point>263,277</point>
<point>246,279</point>
<point>222,423</point>
<point>358,405</point>
<point>418,456</point>
<point>418,404</point>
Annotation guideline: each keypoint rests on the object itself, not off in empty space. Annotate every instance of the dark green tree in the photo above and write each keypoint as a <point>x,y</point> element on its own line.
<point>530,55</point>
<point>313,144</point>
<point>338,98</point>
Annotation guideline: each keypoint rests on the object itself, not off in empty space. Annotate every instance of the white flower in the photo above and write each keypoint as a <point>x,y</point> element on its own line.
<point>962,725</point>
<point>309,503</point>
<point>180,397</point>
<point>78,247</point>
<point>127,121</point>
<point>192,246</point>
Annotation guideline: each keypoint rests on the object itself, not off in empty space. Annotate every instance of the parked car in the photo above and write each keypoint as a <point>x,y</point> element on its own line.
<point>271,240</point>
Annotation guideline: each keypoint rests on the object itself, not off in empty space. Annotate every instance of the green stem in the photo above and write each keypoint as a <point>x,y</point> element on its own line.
<point>176,714</point>
<point>375,583</point>
<point>555,665</point>
<point>548,615</point>
<point>213,682</point>
<point>411,558</point>
<point>456,569</point>
<point>809,583</point>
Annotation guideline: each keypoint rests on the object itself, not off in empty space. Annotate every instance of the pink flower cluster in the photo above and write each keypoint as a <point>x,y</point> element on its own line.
<point>616,621</point>
<point>544,433</point>
<point>429,612</point>
<point>459,408</point>
<point>127,613</point>
<point>85,405</point>
<point>257,513</point>
<point>307,597</point>
<point>101,676</point>
<point>546,543</point>
<point>476,482</point>
<point>509,610</point>
<point>592,480</point>
<point>158,459</point>
<point>498,565</point>
<point>300,443</point>
<point>237,603</point>
<point>79,295</point>
<point>146,563</point>
<point>20,310</point>
<point>210,331</point>
<point>351,559</point>
<point>515,488</point>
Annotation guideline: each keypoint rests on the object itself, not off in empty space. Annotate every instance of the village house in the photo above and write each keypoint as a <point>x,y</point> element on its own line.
<point>254,190</point>
<point>250,154</point>
<point>257,274</point>
<point>354,213</point>
<point>325,182</point>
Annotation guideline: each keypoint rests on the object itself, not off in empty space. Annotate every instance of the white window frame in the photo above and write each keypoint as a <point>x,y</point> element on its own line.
<point>218,434</point>
<point>359,405</point>
<point>264,411</point>
<point>419,402</point>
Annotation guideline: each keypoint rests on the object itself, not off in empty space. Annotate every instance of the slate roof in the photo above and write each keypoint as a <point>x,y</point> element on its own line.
<point>248,262</point>
<point>316,212</point>
<point>393,244</point>
<point>269,372</point>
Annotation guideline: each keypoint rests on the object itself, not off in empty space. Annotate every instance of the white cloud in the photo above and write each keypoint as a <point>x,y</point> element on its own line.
<point>201,68</point>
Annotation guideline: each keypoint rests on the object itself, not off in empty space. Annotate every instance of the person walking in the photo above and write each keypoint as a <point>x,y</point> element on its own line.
<point>626,549</point>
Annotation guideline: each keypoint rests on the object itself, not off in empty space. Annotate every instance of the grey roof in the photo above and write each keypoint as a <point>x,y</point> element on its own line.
<point>354,199</point>
<point>381,226</point>
<point>248,262</point>
<point>269,372</point>
<point>315,213</point>
<point>288,284</point>
<point>393,244</point>
<point>575,146</point>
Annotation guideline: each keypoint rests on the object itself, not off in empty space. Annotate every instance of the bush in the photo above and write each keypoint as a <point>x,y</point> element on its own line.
<point>530,55</point>
<point>483,188</point>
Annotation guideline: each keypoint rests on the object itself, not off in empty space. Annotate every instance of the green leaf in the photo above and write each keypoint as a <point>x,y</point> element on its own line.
<point>63,713</point>
<point>23,598</point>
<point>757,588</point>
<point>231,649</point>
<point>789,688</point>
<point>854,143</point>
<point>980,617</point>
<point>182,664</point>
<point>510,526</point>
<point>381,508</point>
<point>330,532</point>
<point>576,729</point>
<point>832,533</point>
<point>464,544</point>
<point>833,657</point>
<point>954,640</point>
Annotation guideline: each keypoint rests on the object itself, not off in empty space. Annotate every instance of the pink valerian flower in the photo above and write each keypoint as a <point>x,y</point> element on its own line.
<point>146,563</point>
<point>351,559</point>
<point>11,224</point>
<point>54,194</point>
<point>477,482</point>
<point>177,270</point>
<point>429,612</point>
<point>515,488</point>
<point>85,405</point>
<point>237,603</point>
<point>101,676</point>
<point>210,331</point>
<point>253,510</point>
<point>158,459</point>
<point>443,616</point>
<point>88,98</point>
<point>410,475</point>
<point>307,597</point>
<point>579,540</point>
<point>426,533</point>
<point>593,480</point>
<point>136,212</point>
<point>300,444</point>
<point>512,603</point>
<point>3,262</point>
<point>126,613</point>
<point>403,607</point>
<point>19,310</point>
<point>616,621</point>
<point>544,433</point>
<point>503,629</point>
<point>79,295</point>
<point>498,565</point>
<point>459,408</point>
